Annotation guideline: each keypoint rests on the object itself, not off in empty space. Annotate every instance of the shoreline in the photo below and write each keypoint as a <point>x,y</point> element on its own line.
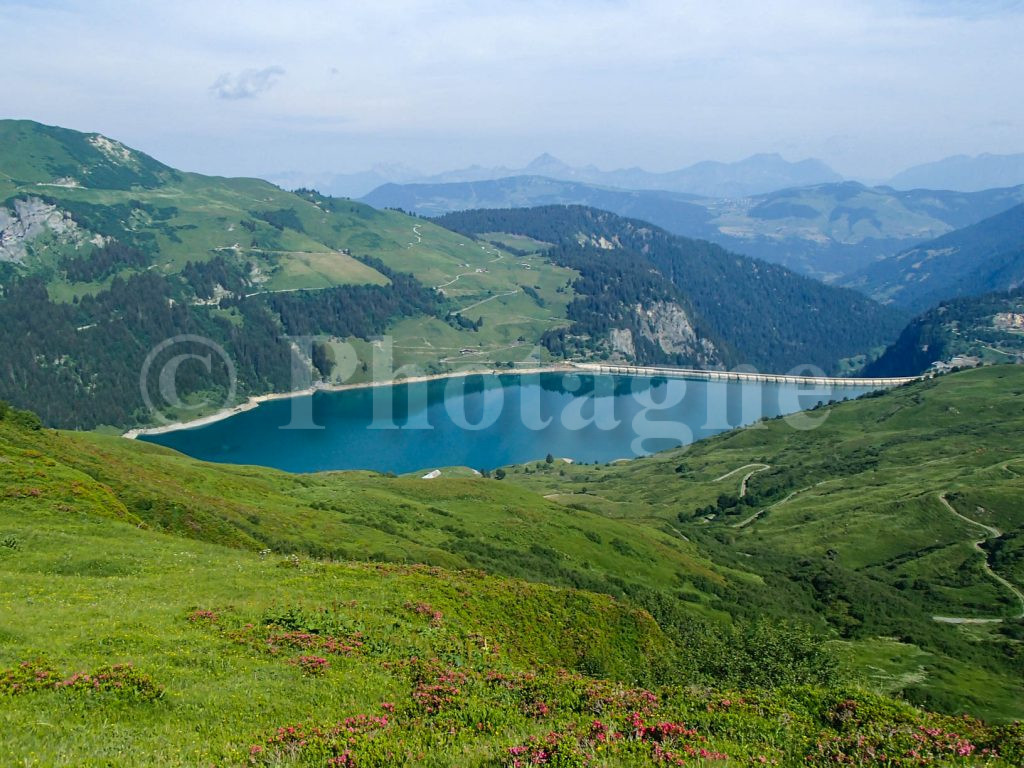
<point>255,401</point>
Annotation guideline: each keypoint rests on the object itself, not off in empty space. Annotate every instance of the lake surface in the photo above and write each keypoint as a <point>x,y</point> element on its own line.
<point>487,421</point>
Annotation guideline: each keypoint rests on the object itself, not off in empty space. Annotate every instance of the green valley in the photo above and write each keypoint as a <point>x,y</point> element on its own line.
<point>777,570</point>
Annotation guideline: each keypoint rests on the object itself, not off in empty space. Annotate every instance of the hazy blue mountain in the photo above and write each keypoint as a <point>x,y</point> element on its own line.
<point>984,257</point>
<point>964,173</point>
<point>754,175</point>
<point>824,230</point>
<point>832,230</point>
<point>679,213</point>
<point>351,185</point>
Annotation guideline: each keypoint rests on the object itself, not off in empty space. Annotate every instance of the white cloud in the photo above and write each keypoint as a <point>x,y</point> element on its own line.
<point>247,84</point>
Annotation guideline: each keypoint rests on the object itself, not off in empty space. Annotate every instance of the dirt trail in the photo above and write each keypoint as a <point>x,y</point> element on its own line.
<point>753,517</point>
<point>993,533</point>
<point>464,274</point>
<point>484,301</point>
<point>743,483</point>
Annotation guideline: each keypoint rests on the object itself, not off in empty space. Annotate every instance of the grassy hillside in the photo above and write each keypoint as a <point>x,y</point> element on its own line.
<point>458,523</point>
<point>118,641</point>
<point>304,663</point>
<point>841,527</point>
<point>105,253</point>
<point>847,527</point>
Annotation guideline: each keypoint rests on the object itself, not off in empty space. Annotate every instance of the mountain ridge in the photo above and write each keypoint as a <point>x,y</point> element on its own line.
<point>756,174</point>
<point>964,173</point>
<point>826,231</point>
<point>983,257</point>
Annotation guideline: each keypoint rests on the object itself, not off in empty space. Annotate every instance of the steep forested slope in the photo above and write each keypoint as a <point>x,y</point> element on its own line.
<point>987,328</point>
<point>750,312</point>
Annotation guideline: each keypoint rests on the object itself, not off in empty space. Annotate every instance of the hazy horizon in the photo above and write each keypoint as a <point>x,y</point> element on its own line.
<point>315,87</point>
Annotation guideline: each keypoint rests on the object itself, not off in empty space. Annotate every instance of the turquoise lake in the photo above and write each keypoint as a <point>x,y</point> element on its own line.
<point>487,421</point>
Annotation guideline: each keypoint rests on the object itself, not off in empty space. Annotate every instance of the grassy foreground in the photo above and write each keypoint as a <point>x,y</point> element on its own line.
<point>845,526</point>
<point>158,610</point>
<point>238,658</point>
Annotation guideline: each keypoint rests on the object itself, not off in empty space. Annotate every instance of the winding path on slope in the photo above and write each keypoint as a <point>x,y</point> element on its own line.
<point>476,271</point>
<point>453,280</point>
<point>993,533</point>
<point>743,483</point>
<point>753,517</point>
<point>419,235</point>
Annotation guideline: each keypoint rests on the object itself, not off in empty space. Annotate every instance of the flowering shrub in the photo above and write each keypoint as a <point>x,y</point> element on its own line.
<point>426,609</point>
<point>122,679</point>
<point>900,747</point>
<point>335,745</point>
<point>28,676</point>
<point>603,696</point>
<point>291,631</point>
<point>661,743</point>
<point>312,665</point>
<point>344,646</point>
<point>558,750</point>
<point>435,686</point>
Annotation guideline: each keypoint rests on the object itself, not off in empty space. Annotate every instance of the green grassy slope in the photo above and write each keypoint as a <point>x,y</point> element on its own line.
<point>239,657</point>
<point>846,526</point>
<point>295,240</point>
<point>106,253</point>
<point>459,523</point>
<point>844,530</point>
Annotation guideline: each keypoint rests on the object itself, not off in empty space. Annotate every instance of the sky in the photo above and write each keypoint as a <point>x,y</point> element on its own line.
<point>261,87</point>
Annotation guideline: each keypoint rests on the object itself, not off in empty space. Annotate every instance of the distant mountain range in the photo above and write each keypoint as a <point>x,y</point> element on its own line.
<point>964,173</point>
<point>823,230</point>
<point>678,212</point>
<point>986,256</point>
<point>754,175</point>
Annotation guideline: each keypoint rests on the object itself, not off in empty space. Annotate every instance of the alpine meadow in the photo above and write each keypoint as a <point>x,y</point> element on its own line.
<point>617,385</point>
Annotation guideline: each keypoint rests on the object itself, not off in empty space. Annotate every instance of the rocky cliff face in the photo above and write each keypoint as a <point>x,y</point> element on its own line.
<point>667,325</point>
<point>28,219</point>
